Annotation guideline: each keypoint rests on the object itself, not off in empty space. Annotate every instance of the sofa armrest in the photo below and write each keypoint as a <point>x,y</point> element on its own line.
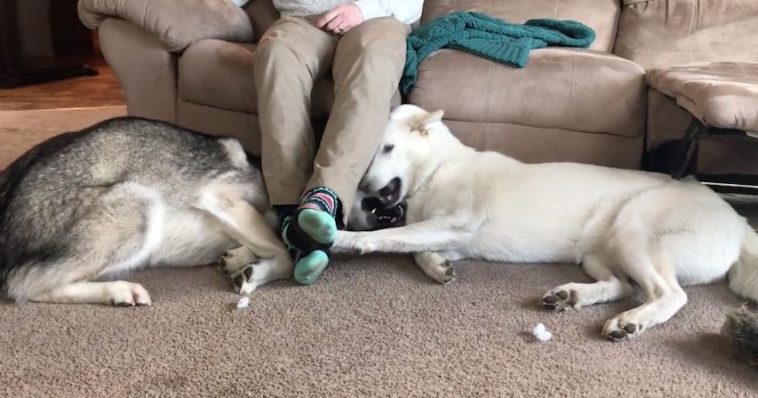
<point>176,24</point>
<point>145,70</point>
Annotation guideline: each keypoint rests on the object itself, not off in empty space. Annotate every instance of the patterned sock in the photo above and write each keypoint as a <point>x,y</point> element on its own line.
<point>308,230</point>
<point>309,267</point>
<point>320,198</point>
<point>284,214</point>
<point>312,225</point>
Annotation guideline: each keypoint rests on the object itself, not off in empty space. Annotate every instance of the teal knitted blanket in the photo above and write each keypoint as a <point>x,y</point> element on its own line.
<point>489,37</point>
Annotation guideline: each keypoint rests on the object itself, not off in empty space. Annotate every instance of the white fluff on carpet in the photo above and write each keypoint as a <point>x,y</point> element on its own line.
<point>541,333</point>
<point>244,302</point>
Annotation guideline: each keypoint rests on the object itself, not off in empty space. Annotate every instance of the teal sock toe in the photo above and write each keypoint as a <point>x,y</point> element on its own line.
<point>309,268</point>
<point>318,225</point>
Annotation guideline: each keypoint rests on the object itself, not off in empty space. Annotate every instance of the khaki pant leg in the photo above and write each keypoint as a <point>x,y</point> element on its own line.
<point>290,57</point>
<point>367,66</point>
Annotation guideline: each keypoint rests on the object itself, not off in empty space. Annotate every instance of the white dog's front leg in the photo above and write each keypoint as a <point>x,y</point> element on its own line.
<point>428,235</point>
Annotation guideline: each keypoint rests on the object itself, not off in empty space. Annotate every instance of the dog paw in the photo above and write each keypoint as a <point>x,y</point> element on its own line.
<point>244,282</point>
<point>233,262</point>
<point>259,273</point>
<point>443,273</point>
<point>435,267</point>
<point>624,326</point>
<point>559,299</point>
<point>447,273</point>
<point>127,294</point>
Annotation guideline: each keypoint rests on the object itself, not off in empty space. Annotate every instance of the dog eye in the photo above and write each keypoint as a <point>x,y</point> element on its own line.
<point>388,148</point>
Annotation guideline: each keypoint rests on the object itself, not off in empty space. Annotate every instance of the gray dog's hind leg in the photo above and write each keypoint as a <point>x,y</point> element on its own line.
<point>112,237</point>
<point>249,227</point>
<point>69,279</point>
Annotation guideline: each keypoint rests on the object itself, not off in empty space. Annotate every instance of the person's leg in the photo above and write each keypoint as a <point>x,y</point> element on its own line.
<point>367,66</point>
<point>290,57</point>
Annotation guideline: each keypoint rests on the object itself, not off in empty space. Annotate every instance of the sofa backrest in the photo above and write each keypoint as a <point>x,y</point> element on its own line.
<point>601,15</point>
<point>661,33</point>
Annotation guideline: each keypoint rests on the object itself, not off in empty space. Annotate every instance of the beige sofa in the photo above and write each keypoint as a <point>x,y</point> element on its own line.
<point>192,64</point>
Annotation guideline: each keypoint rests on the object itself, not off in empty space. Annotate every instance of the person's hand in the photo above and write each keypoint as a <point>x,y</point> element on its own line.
<point>341,19</point>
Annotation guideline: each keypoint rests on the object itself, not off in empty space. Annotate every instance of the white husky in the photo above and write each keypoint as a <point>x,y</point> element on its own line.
<point>622,226</point>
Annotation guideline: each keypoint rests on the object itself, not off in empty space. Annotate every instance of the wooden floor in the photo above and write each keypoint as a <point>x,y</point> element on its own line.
<point>78,92</point>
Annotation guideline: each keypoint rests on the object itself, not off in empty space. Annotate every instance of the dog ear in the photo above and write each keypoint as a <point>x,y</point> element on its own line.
<point>434,117</point>
<point>422,124</point>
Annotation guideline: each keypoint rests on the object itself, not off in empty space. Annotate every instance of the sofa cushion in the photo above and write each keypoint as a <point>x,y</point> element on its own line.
<point>219,74</point>
<point>722,94</point>
<point>662,33</point>
<point>571,89</point>
<point>177,24</point>
<point>600,15</point>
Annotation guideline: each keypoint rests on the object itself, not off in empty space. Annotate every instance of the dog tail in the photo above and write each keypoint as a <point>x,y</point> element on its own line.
<point>743,276</point>
<point>4,189</point>
<point>741,326</point>
<point>741,329</point>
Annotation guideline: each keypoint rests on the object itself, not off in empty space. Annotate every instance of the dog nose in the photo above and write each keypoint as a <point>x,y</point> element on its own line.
<point>390,194</point>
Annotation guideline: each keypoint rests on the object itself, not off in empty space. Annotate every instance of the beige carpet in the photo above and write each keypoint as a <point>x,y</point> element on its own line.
<point>373,326</point>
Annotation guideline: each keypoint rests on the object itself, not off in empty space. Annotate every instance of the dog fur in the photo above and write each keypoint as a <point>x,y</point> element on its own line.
<point>622,226</point>
<point>741,328</point>
<point>125,194</point>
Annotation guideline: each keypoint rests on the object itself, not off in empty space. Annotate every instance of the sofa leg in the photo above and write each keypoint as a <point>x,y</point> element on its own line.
<point>676,157</point>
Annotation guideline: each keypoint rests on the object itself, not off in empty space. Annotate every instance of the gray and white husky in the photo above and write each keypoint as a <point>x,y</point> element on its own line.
<point>129,193</point>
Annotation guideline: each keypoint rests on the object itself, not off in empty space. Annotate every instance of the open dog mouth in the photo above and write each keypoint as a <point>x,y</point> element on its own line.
<point>386,217</point>
<point>390,194</point>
